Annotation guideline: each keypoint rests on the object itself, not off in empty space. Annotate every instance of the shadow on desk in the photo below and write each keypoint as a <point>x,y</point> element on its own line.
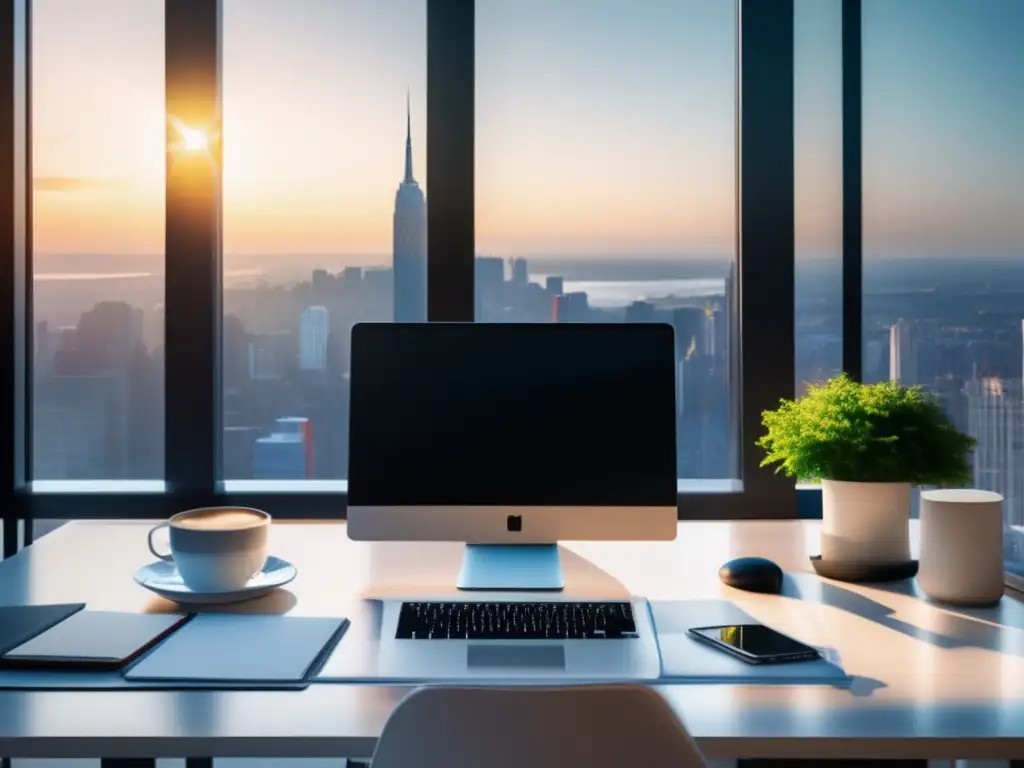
<point>950,627</point>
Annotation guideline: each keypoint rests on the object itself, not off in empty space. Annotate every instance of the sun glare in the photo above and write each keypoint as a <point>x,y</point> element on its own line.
<point>195,140</point>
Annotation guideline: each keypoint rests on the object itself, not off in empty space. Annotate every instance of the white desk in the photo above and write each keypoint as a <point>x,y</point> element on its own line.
<point>932,682</point>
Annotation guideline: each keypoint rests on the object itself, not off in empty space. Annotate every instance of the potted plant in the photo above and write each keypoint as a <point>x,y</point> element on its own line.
<point>867,445</point>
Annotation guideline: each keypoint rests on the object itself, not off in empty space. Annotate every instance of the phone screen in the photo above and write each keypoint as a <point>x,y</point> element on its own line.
<point>755,640</point>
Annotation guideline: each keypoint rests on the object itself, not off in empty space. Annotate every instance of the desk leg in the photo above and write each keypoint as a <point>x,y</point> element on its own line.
<point>199,762</point>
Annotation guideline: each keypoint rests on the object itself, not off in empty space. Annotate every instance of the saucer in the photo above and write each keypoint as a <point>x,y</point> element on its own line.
<point>164,579</point>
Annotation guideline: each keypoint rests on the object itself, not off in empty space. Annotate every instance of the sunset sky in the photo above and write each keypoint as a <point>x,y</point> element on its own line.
<point>603,127</point>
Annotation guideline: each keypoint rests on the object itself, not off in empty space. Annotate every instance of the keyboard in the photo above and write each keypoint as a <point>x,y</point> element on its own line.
<point>515,621</point>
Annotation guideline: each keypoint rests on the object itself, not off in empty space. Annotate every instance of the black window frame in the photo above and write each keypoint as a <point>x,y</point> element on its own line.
<point>193,407</point>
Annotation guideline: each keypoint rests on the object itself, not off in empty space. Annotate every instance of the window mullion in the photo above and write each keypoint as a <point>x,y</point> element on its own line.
<point>767,241</point>
<point>15,265</point>
<point>853,295</point>
<point>193,248</point>
<point>451,35</point>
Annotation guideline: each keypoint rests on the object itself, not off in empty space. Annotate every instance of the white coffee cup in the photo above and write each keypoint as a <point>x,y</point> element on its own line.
<point>216,549</point>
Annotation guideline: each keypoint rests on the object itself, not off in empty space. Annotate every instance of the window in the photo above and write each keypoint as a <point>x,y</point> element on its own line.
<point>223,189</point>
<point>943,234</point>
<point>818,137</point>
<point>98,239</point>
<point>606,185</point>
<point>324,217</point>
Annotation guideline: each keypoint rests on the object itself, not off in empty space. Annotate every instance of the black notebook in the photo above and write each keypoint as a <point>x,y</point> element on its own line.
<point>93,640</point>
<point>20,623</point>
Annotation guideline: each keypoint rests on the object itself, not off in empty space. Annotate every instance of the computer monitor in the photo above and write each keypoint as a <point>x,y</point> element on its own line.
<point>512,434</point>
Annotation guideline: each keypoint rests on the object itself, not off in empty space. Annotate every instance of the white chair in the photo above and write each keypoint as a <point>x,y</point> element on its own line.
<point>591,726</point>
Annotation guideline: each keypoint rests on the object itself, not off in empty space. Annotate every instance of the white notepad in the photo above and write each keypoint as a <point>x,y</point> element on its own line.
<point>685,660</point>
<point>233,648</point>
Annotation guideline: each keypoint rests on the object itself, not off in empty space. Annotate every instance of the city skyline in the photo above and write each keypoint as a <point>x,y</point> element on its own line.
<point>638,148</point>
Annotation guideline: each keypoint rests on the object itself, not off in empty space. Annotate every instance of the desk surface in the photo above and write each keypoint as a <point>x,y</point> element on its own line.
<point>930,681</point>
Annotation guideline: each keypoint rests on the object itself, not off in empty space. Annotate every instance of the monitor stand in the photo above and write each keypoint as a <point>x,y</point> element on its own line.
<point>511,566</point>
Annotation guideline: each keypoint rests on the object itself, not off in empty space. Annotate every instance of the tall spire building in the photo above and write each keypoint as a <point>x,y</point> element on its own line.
<point>410,241</point>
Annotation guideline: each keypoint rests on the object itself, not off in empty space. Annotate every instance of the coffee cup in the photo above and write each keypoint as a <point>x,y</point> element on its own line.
<point>216,549</point>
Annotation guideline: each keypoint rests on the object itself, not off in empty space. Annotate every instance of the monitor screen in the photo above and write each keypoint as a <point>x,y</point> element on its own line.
<point>512,414</point>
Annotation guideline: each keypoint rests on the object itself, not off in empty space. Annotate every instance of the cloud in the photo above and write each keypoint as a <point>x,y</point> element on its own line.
<point>68,183</point>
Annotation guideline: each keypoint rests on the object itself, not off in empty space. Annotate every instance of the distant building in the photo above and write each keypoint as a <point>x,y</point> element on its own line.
<point>238,452</point>
<point>571,308</point>
<point>350,280</point>
<point>235,352</point>
<point>641,312</point>
<point>410,243</point>
<point>378,282</point>
<point>489,281</point>
<point>267,356</point>
<point>874,359</point>
<point>67,336</point>
<point>689,323</point>
<point>711,317</point>
<point>321,281</point>
<point>79,428</point>
<point>995,413</point>
<point>520,272</point>
<point>45,343</point>
<point>555,285</point>
<point>903,357</point>
<point>285,454</point>
<point>109,333</point>
<point>314,332</point>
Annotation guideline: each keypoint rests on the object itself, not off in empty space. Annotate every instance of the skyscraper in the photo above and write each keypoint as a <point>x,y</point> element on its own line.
<point>689,325</point>
<point>489,280</point>
<point>314,330</point>
<point>410,242</point>
<point>520,271</point>
<point>555,285</point>
<point>571,307</point>
<point>995,412</point>
<point>902,355</point>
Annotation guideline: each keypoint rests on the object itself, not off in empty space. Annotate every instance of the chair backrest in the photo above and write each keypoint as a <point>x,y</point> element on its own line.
<point>591,726</point>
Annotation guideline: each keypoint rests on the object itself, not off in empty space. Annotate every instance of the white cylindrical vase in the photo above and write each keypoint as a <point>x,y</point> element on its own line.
<point>865,523</point>
<point>962,546</point>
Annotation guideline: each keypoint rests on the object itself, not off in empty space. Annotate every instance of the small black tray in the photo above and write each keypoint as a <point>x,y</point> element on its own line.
<point>864,572</point>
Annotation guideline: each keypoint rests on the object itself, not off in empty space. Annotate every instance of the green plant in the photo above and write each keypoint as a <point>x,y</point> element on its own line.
<point>843,430</point>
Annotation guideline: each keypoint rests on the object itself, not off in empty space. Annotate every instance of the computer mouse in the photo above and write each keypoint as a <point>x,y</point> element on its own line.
<point>753,574</point>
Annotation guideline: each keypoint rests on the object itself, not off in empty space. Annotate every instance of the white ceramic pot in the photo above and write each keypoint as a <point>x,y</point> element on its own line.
<point>865,522</point>
<point>962,546</point>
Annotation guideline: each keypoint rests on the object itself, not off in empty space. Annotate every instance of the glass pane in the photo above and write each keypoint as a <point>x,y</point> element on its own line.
<point>818,126</point>
<point>324,216</point>
<point>943,230</point>
<point>605,183</point>
<point>98,238</point>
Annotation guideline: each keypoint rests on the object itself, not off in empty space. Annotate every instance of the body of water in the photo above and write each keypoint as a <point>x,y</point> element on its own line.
<point>609,294</point>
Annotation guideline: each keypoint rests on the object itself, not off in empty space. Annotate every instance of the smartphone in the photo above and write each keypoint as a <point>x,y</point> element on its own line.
<point>755,643</point>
